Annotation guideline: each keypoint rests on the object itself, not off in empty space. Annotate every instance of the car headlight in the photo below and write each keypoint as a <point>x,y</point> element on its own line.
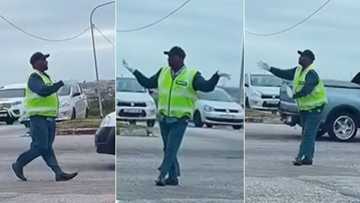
<point>255,94</point>
<point>208,108</point>
<point>65,104</point>
<point>6,105</point>
<point>16,103</point>
<point>150,104</point>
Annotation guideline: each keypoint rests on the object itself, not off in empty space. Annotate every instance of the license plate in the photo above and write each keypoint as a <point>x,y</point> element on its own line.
<point>272,102</point>
<point>3,115</point>
<point>226,116</point>
<point>132,110</point>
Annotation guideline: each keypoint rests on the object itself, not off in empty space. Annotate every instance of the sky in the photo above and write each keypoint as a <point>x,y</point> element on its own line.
<point>210,32</point>
<point>332,34</point>
<point>71,60</point>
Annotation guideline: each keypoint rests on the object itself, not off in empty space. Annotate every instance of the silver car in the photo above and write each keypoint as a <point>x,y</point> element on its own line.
<point>341,116</point>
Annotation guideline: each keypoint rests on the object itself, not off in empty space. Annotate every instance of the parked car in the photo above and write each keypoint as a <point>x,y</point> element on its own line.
<point>11,102</point>
<point>72,103</point>
<point>341,116</point>
<point>105,135</point>
<point>262,91</point>
<point>218,108</point>
<point>134,103</point>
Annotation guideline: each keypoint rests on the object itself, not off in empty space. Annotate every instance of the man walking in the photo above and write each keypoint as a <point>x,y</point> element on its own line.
<point>41,105</point>
<point>177,85</point>
<point>310,95</point>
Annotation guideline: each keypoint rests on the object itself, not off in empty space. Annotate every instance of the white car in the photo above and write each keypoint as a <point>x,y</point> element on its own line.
<point>218,108</point>
<point>262,91</point>
<point>72,103</point>
<point>134,103</point>
<point>11,102</point>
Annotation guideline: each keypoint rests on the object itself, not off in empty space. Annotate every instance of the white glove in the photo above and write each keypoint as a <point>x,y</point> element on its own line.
<point>225,75</point>
<point>263,65</point>
<point>126,65</point>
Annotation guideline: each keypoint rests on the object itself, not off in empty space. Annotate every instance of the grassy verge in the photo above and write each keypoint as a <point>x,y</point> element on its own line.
<point>79,123</point>
<point>257,116</point>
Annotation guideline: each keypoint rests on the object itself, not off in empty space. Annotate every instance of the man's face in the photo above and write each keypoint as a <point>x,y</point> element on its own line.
<point>175,61</point>
<point>305,61</point>
<point>41,64</point>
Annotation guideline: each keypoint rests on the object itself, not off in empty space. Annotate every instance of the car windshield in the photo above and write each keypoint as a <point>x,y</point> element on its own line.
<point>12,93</point>
<point>216,95</point>
<point>265,81</point>
<point>64,90</point>
<point>128,85</point>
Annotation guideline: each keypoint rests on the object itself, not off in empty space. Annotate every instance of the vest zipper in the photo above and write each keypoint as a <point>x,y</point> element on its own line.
<point>170,91</point>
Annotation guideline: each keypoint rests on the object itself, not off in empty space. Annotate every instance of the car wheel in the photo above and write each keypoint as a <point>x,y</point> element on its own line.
<point>197,120</point>
<point>73,114</point>
<point>9,122</point>
<point>150,123</point>
<point>237,127</point>
<point>27,124</point>
<point>87,113</point>
<point>322,131</point>
<point>209,125</point>
<point>342,126</point>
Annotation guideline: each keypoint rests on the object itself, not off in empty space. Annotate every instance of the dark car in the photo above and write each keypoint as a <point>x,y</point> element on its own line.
<point>105,135</point>
<point>341,116</point>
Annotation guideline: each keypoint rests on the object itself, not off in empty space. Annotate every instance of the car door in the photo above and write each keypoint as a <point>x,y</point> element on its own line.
<point>82,101</point>
<point>76,100</point>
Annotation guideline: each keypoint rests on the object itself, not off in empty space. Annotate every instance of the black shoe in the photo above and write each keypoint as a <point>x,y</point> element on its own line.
<point>160,182</point>
<point>172,181</point>
<point>299,162</point>
<point>65,176</point>
<point>18,172</point>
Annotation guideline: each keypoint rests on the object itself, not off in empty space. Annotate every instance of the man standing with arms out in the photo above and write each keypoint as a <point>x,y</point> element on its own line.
<point>177,85</point>
<point>41,105</point>
<point>310,95</point>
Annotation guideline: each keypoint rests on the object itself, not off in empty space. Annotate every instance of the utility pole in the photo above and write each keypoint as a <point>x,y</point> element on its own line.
<point>94,53</point>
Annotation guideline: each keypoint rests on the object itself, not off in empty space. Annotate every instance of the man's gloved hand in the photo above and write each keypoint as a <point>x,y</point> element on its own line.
<point>60,83</point>
<point>126,65</point>
<point>263,65</point>
<point>225,75</point>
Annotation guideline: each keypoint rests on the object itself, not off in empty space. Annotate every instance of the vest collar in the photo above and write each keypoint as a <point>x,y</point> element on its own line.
<point>174,74</point>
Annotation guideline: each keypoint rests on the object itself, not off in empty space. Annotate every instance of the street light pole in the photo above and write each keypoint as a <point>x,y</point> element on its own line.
<point>94,53</point>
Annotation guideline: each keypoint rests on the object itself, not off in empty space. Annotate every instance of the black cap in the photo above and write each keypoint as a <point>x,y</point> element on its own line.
<point>307,53</point>
<point>176,51</point>
<point>37,56</point>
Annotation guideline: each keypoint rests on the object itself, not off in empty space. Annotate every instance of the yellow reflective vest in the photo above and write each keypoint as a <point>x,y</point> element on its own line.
<point>176,96</point>
<point>36,105</point>
<point>316,98</point>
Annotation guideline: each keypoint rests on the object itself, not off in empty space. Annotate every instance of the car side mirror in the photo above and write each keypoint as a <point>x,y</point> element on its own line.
<point>246,85</point>
<point>76,94</point>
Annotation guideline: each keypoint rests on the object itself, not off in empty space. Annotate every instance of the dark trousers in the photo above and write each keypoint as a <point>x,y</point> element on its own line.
<point>172,134</point>
<point>42,132</point>
<point>310,122</point>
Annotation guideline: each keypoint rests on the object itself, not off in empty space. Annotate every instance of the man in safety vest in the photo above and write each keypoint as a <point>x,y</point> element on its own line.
<point>310,95</point>
<point>177,86</point>
<point>41,105</point>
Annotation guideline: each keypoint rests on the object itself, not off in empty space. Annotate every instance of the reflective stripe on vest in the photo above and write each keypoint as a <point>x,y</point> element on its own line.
<point>176,97</point>
<point>316,98</point>
<point>36,105</point>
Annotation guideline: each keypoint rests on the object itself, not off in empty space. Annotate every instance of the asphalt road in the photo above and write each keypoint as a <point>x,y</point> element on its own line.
<point>95,182</point>
<point>271,177</point>
<point>211,162</point>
